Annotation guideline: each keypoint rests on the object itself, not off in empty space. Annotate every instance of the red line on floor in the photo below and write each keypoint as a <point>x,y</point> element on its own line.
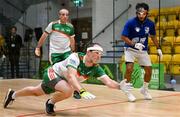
<point>98,105</point>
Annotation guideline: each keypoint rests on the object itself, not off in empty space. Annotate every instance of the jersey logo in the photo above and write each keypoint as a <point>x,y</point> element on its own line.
<point>137,29</point>
<point>73,62</point>
<point>56,28</point>
<point>68,30</point>
<point>88,72</point>
<point>51,74</point>
<point>146,30</point>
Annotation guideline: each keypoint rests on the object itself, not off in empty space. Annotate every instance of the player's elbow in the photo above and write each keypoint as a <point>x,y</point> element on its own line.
<point>123,37</point>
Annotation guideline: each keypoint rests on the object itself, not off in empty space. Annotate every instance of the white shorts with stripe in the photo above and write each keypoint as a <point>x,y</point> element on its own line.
<point>142,57</point>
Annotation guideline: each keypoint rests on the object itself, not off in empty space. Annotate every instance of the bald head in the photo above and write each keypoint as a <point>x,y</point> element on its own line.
<point>63,11</point>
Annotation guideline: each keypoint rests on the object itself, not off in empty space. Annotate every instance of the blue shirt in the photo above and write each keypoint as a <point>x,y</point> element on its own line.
<point>139,32</point>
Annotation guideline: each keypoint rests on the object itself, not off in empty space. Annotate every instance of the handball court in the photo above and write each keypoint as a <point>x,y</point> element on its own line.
<point>108,103</point>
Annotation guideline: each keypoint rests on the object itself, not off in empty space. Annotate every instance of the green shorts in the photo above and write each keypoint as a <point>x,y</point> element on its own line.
<point>50,79</point>
<point>57,57</point>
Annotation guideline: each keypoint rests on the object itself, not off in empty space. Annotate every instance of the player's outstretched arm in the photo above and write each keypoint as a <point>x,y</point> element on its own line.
<point>71,77</point>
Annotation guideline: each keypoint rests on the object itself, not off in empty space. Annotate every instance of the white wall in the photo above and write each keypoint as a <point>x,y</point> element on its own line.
<point>102,14</point>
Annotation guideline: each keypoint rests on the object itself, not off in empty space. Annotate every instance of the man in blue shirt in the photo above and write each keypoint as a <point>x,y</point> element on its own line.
<point>135,35</point>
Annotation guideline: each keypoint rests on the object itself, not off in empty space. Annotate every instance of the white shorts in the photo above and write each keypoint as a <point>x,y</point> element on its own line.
<point>142,57</point>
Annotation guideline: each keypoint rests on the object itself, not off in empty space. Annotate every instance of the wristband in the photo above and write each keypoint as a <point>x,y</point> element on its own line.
<point>82,91</point>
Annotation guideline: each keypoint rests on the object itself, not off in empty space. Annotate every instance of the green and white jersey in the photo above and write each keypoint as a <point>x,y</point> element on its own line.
<point>75,60</point>
<point>59,36</point>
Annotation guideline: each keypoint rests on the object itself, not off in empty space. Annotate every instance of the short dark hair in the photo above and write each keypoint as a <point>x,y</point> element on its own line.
<point>142,5</point>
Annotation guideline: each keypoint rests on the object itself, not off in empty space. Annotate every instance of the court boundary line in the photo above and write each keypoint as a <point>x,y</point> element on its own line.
<point>91,106</point>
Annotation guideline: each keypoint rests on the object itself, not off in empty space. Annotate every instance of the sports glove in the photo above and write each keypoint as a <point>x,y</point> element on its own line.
<point>86,94</point>
<point>160,53</point>
<point>139,46</point>
<point>76,95</point>
<point>37,52</point>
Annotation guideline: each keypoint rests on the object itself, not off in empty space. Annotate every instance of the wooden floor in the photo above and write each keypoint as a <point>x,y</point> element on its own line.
<point>109,103</point>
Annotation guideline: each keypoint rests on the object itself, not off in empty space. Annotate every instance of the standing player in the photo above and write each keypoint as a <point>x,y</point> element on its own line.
<point>62,41</point>
<point>61,35</point>
<point>65,76</point>
<point>135,35</point>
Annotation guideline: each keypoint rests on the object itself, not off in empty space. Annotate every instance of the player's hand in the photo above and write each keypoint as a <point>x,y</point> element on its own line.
<point>38,52</point>
<point>160,53</point>
<point>3,57</point>
<point>139,46</point>
<point>86,95</point>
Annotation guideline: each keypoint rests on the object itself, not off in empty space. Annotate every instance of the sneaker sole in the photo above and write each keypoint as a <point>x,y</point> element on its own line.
<point>53,114</point>
<point>48,114</point>
<point>6,98</point>
<point>132,100</point>
<point>145,97</point>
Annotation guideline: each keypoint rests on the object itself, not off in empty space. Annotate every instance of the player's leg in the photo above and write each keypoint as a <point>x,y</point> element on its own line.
<point>17,65</point>
<point>27,91</point>
<point>127,76</point>
<point>129,59</point>
<point>56,57</point>
<point>30,91</point>
<point>144,88</point>
<point>146,63</point>
<point>129,70</point>
<point>64,91</point>
<point>12,67</point>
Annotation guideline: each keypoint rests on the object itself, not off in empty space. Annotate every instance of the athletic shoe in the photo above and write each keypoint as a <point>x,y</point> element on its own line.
<point>76,95</point>
<point>125,87</point>
<point>8,98</point>
<point>146,93</point>
<point>50,109</point>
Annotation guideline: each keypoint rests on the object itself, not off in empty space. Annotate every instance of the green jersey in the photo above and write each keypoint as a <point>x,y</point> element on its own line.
<point>75,60</point>
<point>58,71</point>
<point>60,36</point>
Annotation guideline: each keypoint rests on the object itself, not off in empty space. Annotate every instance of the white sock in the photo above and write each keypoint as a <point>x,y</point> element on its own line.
<point>14,95</point>
<point>145,85</point>
<point>50,102</point>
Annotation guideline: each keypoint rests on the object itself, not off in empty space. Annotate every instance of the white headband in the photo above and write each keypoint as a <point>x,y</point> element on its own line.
<point>98,48</point>
<point>141,9</point>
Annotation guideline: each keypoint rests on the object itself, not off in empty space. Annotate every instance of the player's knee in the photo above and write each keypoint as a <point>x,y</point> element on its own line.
<point>148,71</point>
<point>129,70</point>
